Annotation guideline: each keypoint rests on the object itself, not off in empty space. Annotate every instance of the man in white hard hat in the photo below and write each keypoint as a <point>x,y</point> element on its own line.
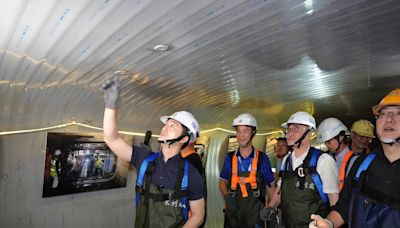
<point>309,177</point>
<point>370,196</point>
<point>167,185</point>
<point>333,133</point>
<point>246,179</point>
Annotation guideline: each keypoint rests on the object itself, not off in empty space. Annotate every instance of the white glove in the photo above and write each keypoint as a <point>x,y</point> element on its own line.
<point>320,222</point>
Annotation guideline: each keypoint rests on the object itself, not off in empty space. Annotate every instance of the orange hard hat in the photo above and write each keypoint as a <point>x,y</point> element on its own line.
<point>393,98</point>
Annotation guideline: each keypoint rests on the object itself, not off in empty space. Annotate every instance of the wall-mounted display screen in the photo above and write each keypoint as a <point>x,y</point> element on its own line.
<point>233,144</point>
<point>80,163</point>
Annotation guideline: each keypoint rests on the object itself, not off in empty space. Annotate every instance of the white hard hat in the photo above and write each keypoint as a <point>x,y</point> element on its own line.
<point>329,128</point>
<point>57,152</point>
<point>301,118</point>
<point>245,119</point>
<point>187,120</point>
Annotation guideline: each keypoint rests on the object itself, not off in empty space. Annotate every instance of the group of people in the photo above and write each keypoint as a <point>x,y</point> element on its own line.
<point>349,184</point>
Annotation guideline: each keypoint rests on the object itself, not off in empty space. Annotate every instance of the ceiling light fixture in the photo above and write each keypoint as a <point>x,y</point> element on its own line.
<point>161,47</point>
<point>121,72</point>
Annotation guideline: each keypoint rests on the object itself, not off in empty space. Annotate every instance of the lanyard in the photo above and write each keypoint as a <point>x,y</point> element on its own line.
<point>241,164</point>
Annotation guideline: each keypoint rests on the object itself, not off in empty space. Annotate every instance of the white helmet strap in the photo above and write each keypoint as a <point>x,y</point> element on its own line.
<point>390,142</point>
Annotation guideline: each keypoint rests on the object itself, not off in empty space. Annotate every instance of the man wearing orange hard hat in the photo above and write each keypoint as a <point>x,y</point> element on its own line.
<point>370,197</point>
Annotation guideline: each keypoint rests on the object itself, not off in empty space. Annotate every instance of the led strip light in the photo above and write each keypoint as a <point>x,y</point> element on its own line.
<point>73,123</point>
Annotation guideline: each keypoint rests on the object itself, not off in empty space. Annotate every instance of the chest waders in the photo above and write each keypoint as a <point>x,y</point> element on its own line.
<point>367,212</point>
<point>249,194</point>
<point>156,207</point>
<point>301,192</point>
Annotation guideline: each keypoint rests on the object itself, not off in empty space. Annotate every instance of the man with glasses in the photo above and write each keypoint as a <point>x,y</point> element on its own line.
<point>370,197</point>
<point>309,178</point>
<point>362,133</point>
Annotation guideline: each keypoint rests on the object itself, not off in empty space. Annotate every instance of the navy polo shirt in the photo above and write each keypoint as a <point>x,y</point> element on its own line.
<point>166,173</point>
<point>244,164</point>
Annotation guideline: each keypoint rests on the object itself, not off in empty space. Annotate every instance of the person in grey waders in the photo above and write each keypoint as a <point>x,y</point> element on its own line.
<point>309,180</point>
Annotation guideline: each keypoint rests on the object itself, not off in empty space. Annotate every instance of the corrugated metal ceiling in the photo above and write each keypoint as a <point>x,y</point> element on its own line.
<point>270,58</point>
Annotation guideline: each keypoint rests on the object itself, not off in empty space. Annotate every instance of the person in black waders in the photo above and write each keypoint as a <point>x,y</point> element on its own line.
<point>308,181</point>
<point>246,179</point>
<point>169,191</point>
<point>371,192</point>
<point>193,157</point>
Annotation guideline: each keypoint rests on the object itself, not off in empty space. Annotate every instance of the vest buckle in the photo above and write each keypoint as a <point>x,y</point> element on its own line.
<point>256,193</point>
<point>300,172</point>
<point>232,193</point>
<point>170,196</point>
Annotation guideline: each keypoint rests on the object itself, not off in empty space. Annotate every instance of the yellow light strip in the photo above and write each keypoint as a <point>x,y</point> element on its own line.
<point>35,130</point>
<point>233,132</point>
<point>121,132</point>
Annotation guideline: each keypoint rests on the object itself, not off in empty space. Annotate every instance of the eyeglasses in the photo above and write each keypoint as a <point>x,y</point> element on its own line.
<point>294,129</point>
<point>388,114</point>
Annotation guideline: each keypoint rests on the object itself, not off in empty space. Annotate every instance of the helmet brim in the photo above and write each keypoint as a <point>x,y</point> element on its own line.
<point>377,108</point>
<point>164,119</point>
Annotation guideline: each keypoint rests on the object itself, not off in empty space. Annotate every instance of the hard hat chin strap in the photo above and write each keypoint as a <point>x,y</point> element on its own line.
<point>171,141</point>
<point>250,140</point>
<point>392,142</point>
<point>337,137</point>
<point>300,140</point>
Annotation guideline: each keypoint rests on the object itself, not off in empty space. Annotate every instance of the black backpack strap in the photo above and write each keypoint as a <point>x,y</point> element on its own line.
<point>179,193</point>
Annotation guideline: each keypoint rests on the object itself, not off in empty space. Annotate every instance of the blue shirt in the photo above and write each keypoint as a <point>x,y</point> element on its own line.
<point>244,164</point>
<point>165,174</point>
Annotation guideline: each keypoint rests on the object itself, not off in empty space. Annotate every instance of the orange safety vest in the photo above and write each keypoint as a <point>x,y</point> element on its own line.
<point>342,172</point>
<point>242,181</point>
<point>187,151</point>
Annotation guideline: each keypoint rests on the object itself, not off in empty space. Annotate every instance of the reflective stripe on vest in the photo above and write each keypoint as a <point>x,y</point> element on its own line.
<point>342,172</point>
<point>53,169</point>
<point>184,184</point>
<point>242,181</point>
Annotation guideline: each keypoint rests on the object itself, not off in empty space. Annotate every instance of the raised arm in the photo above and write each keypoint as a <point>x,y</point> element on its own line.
<point>120,147</point>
